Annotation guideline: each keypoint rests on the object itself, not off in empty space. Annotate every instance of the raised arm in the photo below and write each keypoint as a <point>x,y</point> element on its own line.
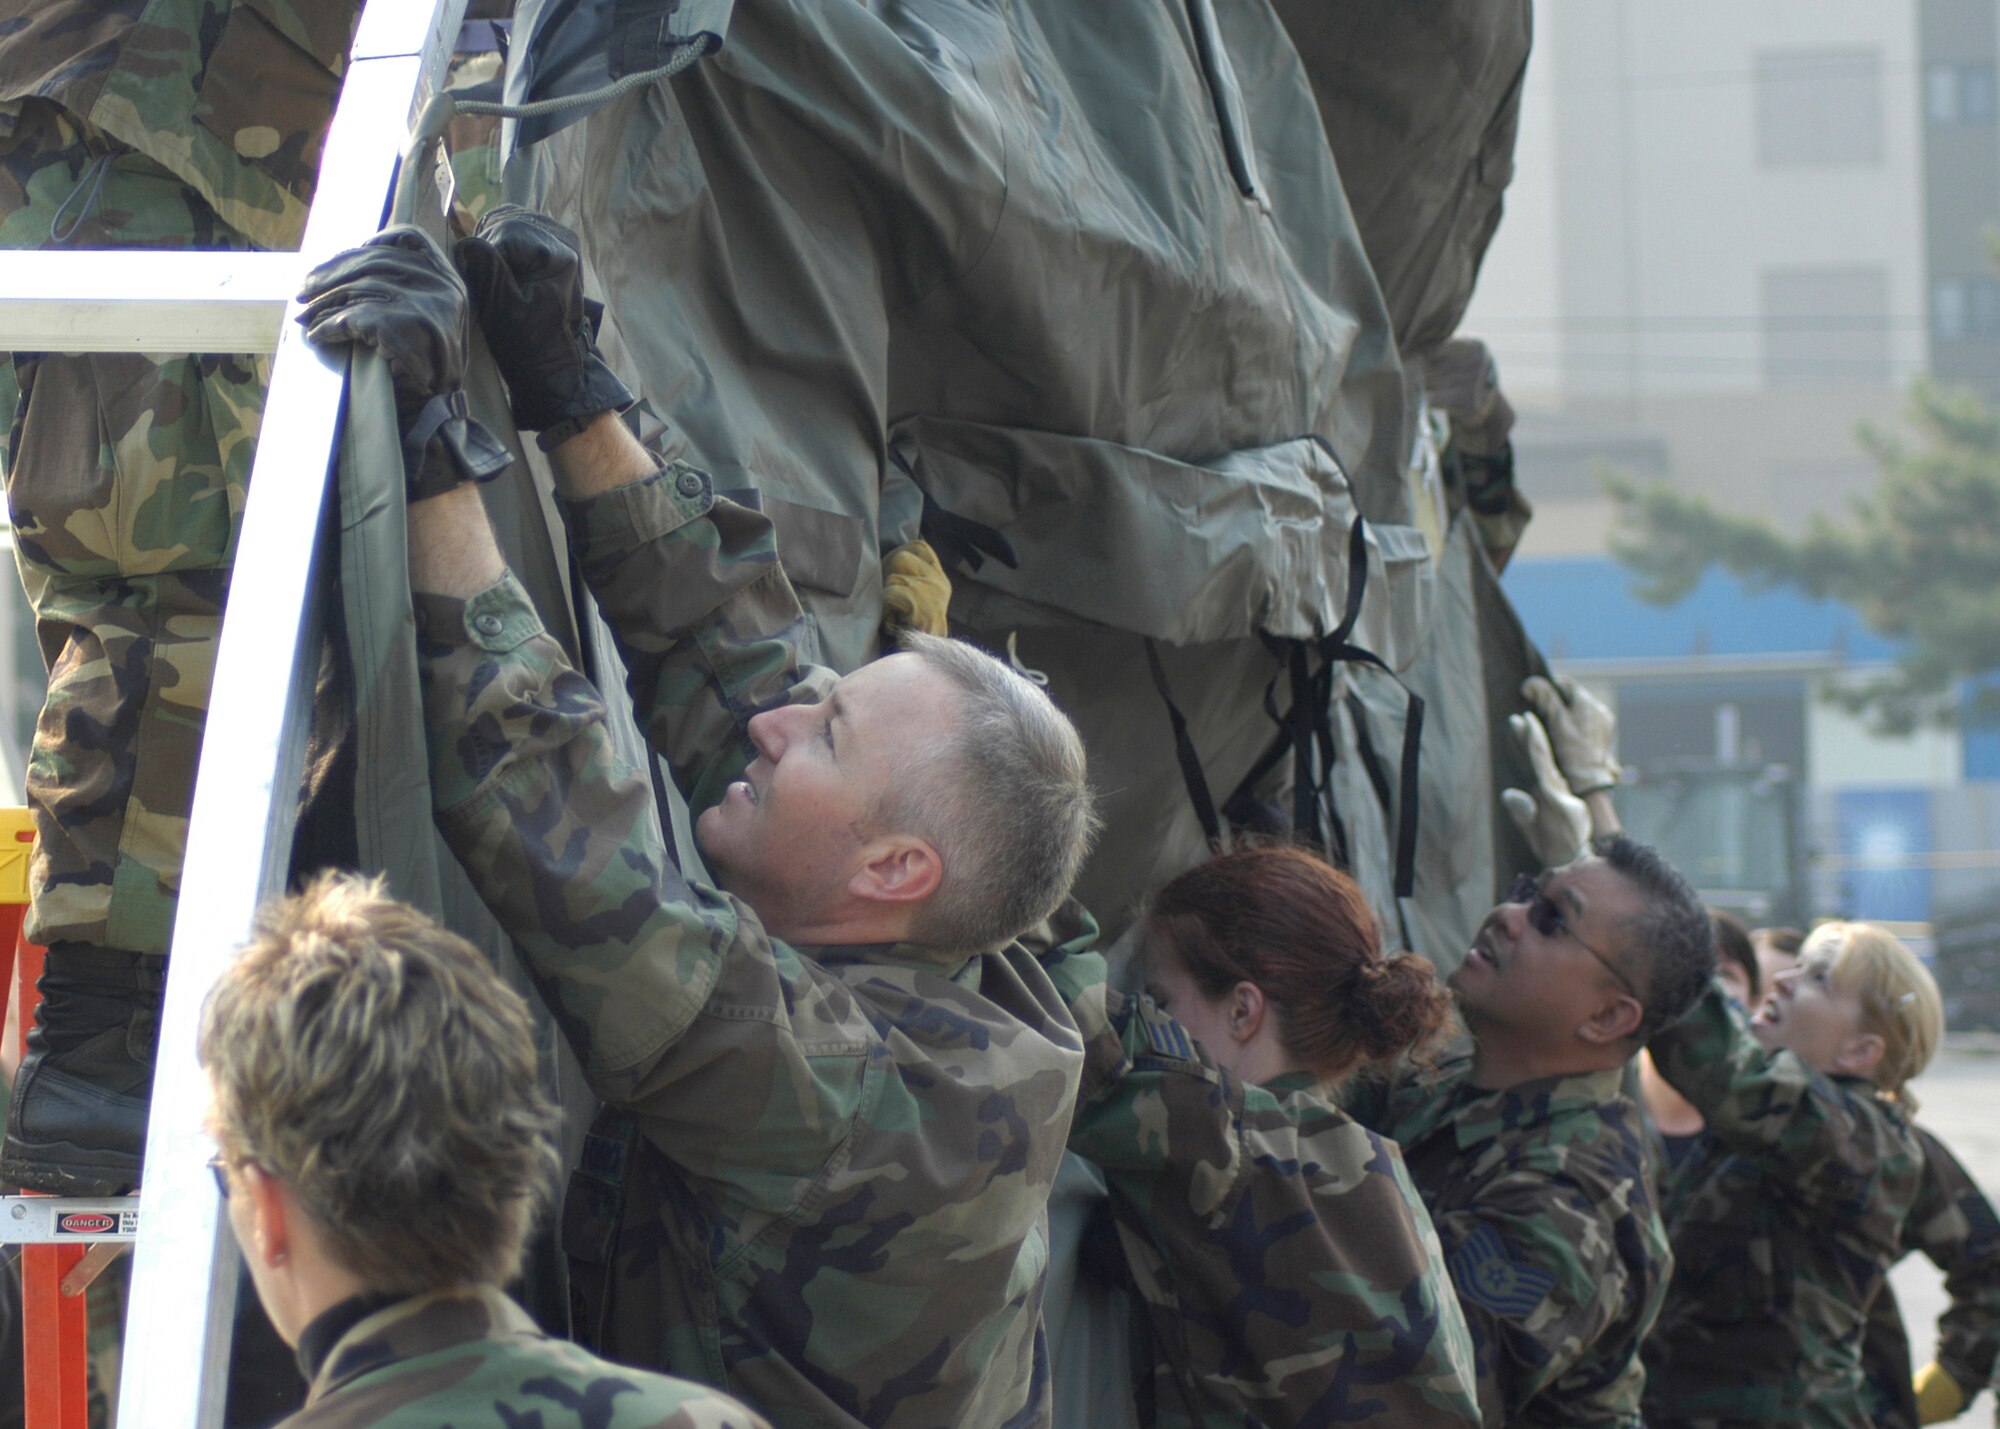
<point>705,618</point>
<point>680,1006</point>
<point>703,614</point>
<point>560,838</point>
<point>1820,1139</point>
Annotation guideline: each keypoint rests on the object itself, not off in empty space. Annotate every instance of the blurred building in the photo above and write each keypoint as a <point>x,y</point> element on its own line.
<point>1736,234</point>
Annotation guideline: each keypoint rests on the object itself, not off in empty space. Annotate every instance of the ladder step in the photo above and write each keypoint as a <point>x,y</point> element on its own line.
<point>67,1220</point>
<point>140,300</point>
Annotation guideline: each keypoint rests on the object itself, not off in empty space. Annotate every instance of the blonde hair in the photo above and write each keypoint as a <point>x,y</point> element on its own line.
<point>375,1063</point>
<point>1899,999</point>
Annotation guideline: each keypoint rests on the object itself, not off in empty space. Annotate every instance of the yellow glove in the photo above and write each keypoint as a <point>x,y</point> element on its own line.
<point>915,590</point>
<point>1938,1396</point>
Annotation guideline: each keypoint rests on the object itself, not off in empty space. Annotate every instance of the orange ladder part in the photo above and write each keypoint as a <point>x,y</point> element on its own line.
<point>55,1329</point>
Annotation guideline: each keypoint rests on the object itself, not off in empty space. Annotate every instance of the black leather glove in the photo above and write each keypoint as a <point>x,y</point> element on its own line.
<point>526,277</point>
<point>399,295</point>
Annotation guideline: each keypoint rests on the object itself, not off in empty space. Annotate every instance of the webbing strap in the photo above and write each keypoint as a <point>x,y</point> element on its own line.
<point>1299,726</point>
<point>1184,751</point>
<point>1413,730</point>
<point>1309,721</point>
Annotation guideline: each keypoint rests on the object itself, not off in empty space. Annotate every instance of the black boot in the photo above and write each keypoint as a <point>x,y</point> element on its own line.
<point>77,1125</point>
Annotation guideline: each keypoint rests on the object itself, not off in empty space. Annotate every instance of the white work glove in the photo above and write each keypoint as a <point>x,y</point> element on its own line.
<point>1582,729</point>
<point>1462,381</point>
<point>1552,819</point>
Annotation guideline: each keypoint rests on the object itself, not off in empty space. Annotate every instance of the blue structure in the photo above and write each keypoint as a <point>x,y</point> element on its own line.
<point>1681,662</point>
<point>1583,608</point>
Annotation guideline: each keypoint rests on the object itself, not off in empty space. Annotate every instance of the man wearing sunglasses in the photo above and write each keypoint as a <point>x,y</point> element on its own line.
<point>1526,1149</point>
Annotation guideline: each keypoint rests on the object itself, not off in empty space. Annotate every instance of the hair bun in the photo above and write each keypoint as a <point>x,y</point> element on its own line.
<point>1398,1006</point>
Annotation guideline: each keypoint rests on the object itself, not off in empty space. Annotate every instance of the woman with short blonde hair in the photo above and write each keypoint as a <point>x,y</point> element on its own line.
<point>384,1147</point>
<point>1786,1218</point>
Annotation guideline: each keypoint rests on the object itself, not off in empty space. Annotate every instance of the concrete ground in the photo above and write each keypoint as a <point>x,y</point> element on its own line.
<point>1959,1100</point>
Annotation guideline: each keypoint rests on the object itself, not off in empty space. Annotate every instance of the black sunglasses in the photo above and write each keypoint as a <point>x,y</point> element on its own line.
<point>1546,916</point>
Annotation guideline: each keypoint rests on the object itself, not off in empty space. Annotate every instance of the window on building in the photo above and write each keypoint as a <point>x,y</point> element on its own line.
<point>1959,94</point>
<point>1821,107</point>
<point>1673,725</point>
<point>1826,326</point>
<point>1985,306</point>
<point>1975,93</point>
<point>1941,94</point>
<point>1950,309</point>
<point>1965,308</point>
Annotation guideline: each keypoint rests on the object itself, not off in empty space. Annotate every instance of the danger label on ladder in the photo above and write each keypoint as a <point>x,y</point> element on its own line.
<point>86,1225</point>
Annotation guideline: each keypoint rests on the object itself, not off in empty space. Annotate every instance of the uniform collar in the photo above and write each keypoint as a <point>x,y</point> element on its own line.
<point>331,1325</point>
<point>1480,1116</point>
<point>889,955</point>
<point>411,1328</point>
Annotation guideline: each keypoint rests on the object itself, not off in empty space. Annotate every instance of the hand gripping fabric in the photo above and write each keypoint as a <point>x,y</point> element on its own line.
<point>398,295</point>
<point>1554,821</point>
<point>1582,729</point>
<point>526,277</point>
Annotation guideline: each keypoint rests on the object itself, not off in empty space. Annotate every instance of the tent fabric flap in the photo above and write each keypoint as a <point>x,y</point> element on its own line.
<point>1180,551</point>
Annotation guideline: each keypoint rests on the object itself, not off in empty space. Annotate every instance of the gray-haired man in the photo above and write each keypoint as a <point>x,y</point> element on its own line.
<point>850,1087</point>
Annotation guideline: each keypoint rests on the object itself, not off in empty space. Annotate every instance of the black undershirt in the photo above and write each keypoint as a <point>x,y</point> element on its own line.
<point>317,1340</point>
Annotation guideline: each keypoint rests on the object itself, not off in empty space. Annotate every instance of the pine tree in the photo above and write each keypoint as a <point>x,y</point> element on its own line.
<point>1918,560</point>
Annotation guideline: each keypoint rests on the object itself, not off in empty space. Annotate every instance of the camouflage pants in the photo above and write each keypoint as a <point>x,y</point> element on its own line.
<point>473,140</point>
<point>125,478</point>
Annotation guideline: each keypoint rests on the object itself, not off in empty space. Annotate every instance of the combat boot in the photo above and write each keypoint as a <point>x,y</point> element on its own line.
<point>77,1123</point>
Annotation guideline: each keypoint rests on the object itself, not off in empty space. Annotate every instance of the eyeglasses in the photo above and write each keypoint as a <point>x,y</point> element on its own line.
<point>218,1166</point>
<point>1546,916</point>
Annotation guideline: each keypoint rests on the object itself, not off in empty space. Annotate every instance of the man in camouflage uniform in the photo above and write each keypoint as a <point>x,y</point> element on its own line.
<point>850,1086</point>
<point>1526,1149</point>
<point>384,1148</point>
<point>132,124</point>
<point>1288,1268</point>
<point>1954,1225</point>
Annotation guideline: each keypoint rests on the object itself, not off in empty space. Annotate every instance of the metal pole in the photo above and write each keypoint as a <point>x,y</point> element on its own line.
<point>125,300</point>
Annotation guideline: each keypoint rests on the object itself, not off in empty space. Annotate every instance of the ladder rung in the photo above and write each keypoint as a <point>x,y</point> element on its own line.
<point>135,300</point>
<point>67,1220</point>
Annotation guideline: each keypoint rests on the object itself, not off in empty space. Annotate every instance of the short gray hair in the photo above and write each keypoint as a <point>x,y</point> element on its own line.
<point>374,1062</point>
<point>1004,799</point>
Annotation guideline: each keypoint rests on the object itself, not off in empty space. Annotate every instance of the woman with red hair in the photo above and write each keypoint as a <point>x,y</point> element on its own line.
<point>1288,1270</point>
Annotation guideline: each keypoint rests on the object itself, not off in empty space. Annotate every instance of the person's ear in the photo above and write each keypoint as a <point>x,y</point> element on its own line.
<point>270,1214</point>
<point>901,869</point>
<point>1247,1008</point>
<point>1617,1019</point>
<point>1860,1056</point>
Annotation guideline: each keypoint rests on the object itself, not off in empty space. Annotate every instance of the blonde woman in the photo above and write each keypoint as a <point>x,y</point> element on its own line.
<point>1785,1220</point>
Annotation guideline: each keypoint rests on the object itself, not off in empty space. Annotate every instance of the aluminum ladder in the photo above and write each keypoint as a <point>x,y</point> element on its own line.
<point>184,1276</point>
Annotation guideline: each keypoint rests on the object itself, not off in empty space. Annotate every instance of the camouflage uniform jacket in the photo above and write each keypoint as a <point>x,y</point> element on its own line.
<point>1954,1224</point>
<point>841,1215</point>
<point>1289,1271</point>
<point>472,1359</point>
<point>1784,1225</point>
<point>233,96</point>
<point>1540,1196</point>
